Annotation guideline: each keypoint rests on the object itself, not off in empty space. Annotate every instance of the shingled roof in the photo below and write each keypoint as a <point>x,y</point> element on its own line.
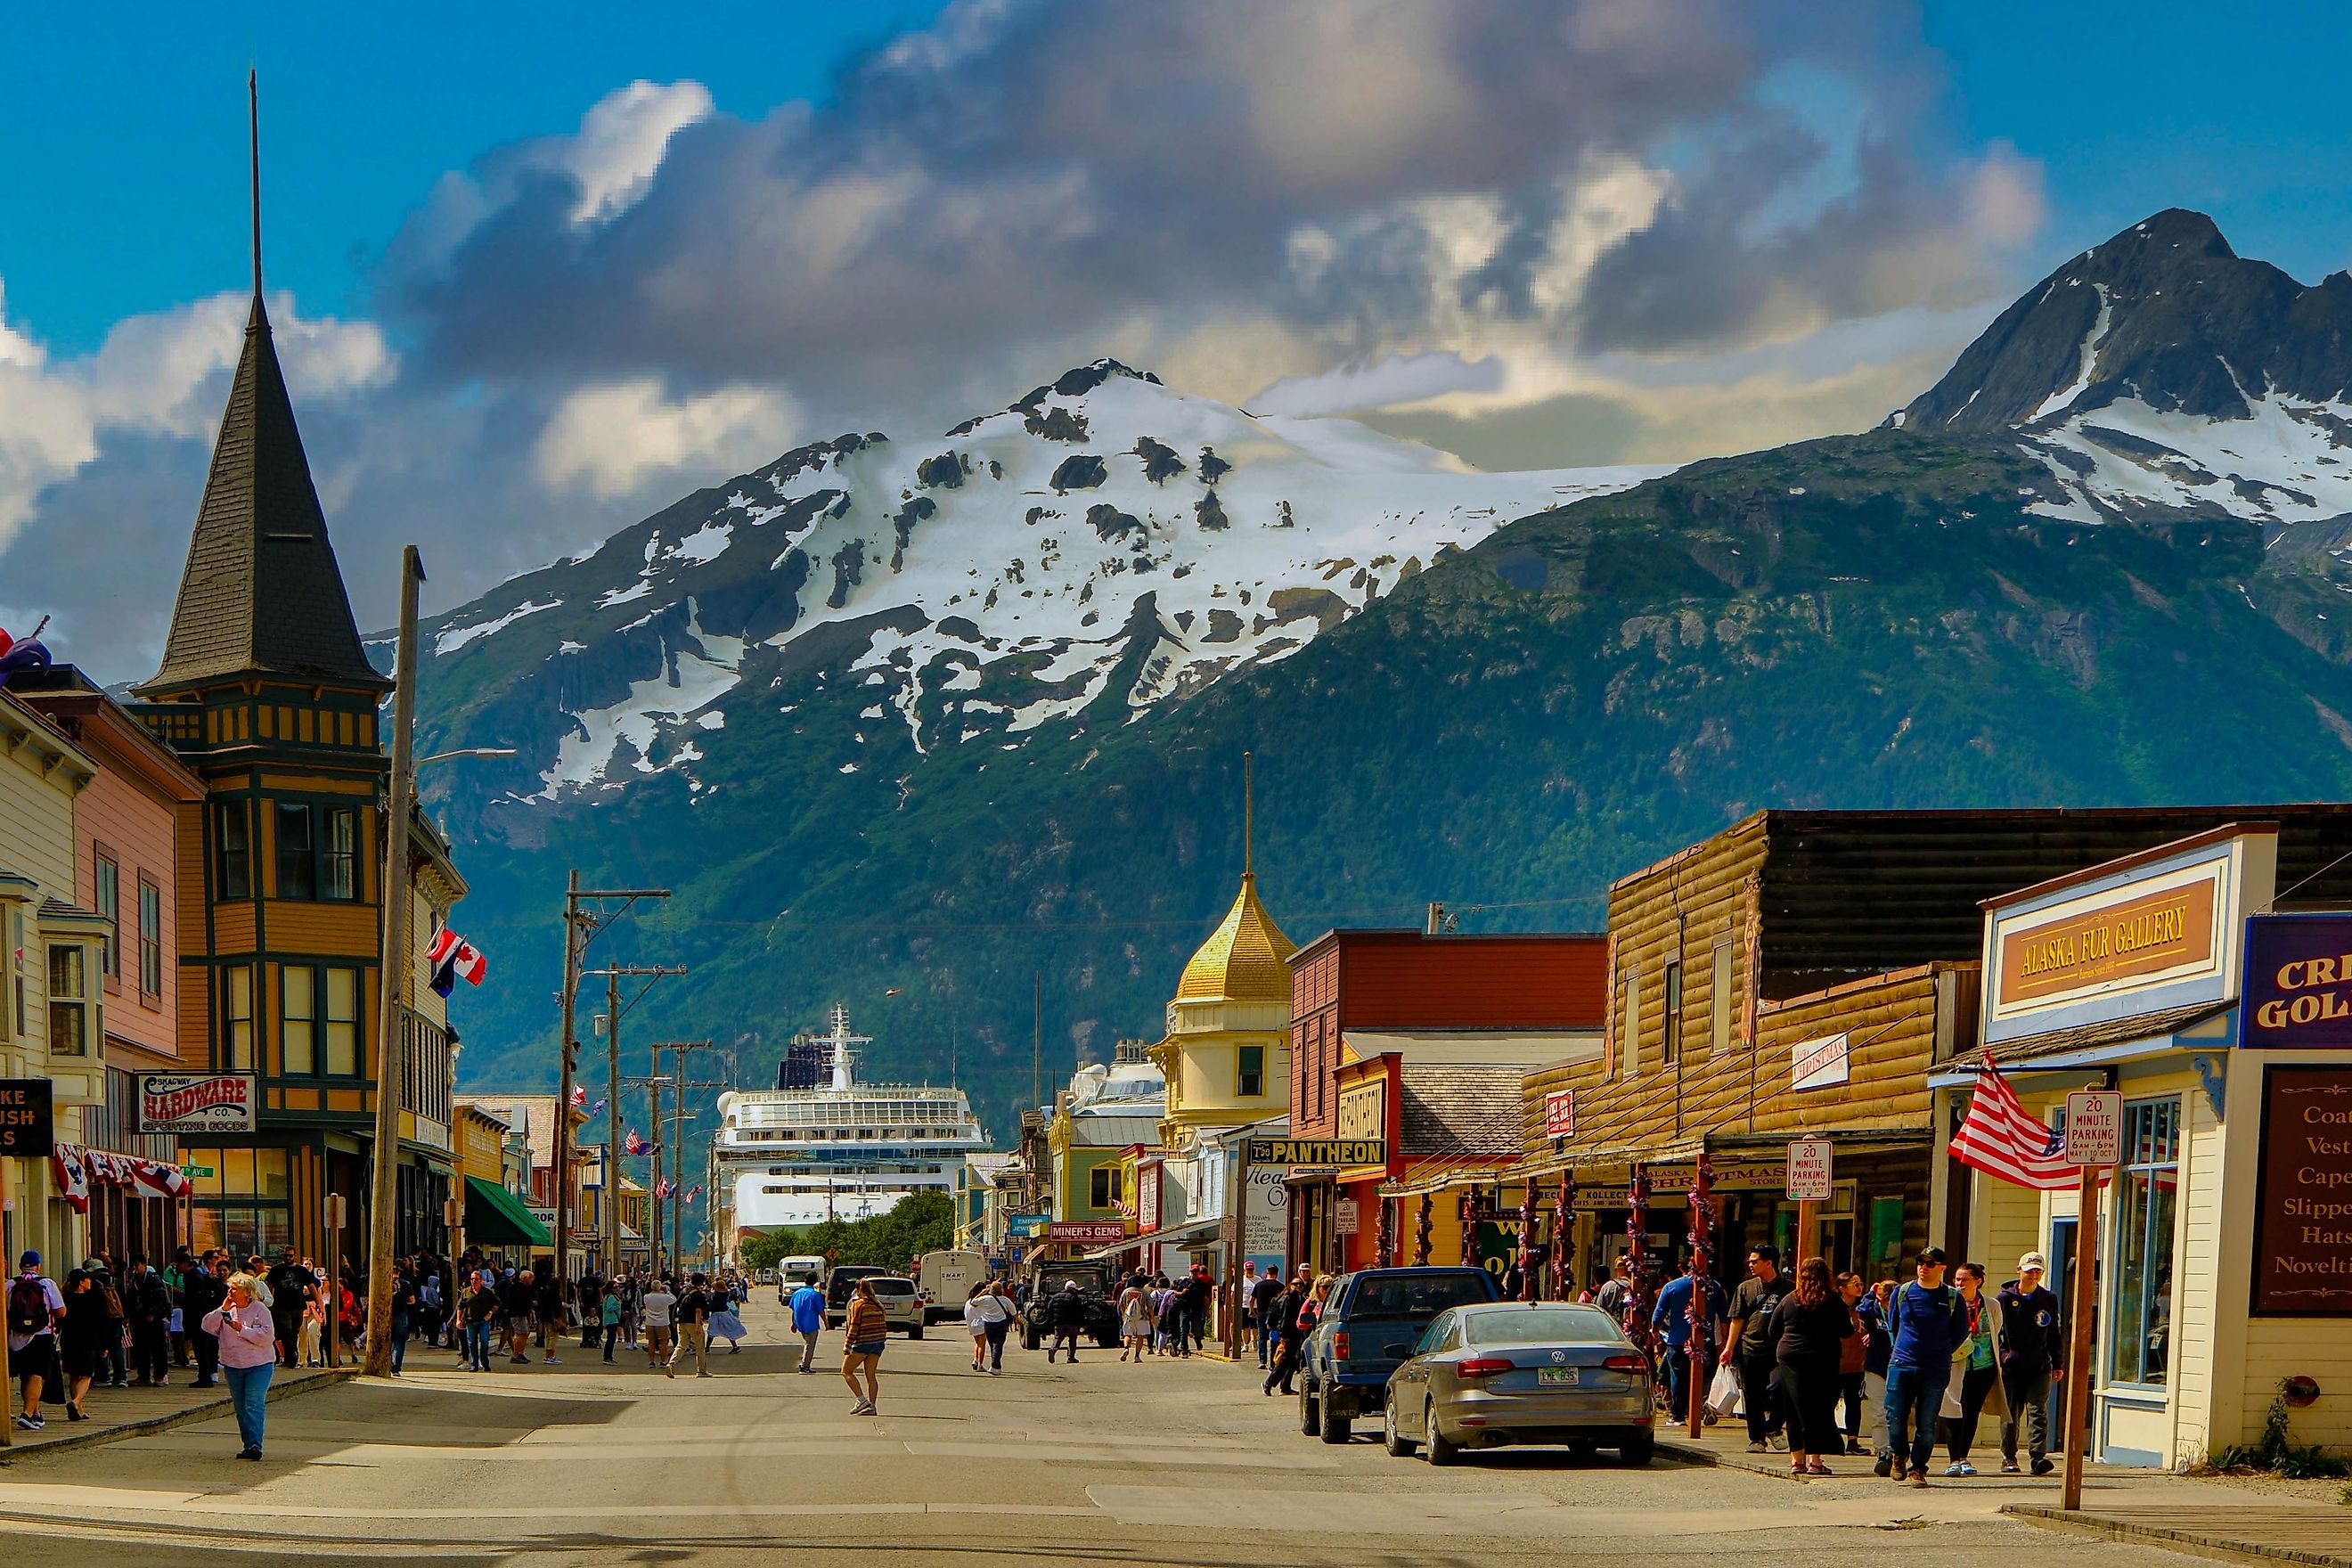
<point>1467,1110</point>
<point>261,594</point>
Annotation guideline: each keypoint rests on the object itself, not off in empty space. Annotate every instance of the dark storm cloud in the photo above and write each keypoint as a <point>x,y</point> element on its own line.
<point>1025,177</point>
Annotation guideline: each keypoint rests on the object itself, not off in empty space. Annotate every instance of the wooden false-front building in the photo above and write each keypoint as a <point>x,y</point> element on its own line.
<point>1799,975</point>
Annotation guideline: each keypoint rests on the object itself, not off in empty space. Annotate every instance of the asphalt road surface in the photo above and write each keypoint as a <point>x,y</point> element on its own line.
<point>1168,1462</point>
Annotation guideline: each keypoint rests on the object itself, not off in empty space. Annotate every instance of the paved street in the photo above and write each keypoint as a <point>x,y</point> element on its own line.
<point>1166,1462</point>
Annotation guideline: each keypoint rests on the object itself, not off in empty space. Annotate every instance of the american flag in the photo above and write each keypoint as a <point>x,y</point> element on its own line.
<point>693,1192</point>
<point>1999,1137</point>
<point>664,1187</point>
<point>580,1095</point>
<point>633,1144</point>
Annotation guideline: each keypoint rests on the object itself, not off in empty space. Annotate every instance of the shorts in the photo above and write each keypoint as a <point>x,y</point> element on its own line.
<point>867,1347</point>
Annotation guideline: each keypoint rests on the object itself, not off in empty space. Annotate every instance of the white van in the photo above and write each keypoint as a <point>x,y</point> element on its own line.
<point>801,1271</point>
<point>946,1280</point>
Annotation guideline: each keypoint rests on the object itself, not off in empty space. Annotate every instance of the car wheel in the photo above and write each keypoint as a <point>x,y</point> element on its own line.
<point>915,1332</point>
<point>1310,1418</point>
<point>1393,1437</point>
<point>1637,1450</point>
<point>1337,1428</point>
<point>1437,1447</point>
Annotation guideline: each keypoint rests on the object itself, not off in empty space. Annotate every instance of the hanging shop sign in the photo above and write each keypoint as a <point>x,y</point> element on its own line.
<point>28,1118</point>
<point>2302,1205</point>
<point>1093,1232</point>
<point>2298,981</point>
<point>196,1103</point>
<point>1021,1226</point>
<point>1333,1152</point>
<point>1559,1115</point>
<point>1818,1064</point>
<point>1809,1171</point>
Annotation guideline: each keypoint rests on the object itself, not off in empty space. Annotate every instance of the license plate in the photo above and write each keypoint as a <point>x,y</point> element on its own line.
<point>1557,1376</point>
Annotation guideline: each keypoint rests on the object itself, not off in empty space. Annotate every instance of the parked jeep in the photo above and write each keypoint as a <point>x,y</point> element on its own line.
<point>1094,1282</point>
<point>1370,1325</point>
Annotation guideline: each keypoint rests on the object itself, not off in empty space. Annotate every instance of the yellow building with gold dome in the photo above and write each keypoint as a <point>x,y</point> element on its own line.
<point>1226,1054</point>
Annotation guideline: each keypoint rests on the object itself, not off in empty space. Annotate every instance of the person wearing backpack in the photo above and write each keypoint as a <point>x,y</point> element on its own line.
<point>147,1304</point>
<point>207,1288</point>
<point>1925,1324</point>
<point>35,1309</point>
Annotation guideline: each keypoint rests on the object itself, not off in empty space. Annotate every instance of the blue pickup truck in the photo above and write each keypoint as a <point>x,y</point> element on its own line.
<point>1370,1325</point>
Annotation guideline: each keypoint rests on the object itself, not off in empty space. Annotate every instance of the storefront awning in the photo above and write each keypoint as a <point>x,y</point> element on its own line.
<point>1592,1163</point>
<point>1174,1235</point>
<point>496,1217</point>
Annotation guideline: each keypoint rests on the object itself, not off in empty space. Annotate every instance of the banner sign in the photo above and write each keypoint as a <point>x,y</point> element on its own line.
<point>1340,1152</point>
<point>27,1120</point>
<point>1560,1114</point>
<point>2298,981</point>
<point>1092,1232</point>
<point>1818,1064</point>
<point>196,1103</point>
<point>2302,1205</point>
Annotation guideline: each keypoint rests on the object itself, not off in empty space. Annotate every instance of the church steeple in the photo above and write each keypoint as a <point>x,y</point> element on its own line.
<point>261,593</point>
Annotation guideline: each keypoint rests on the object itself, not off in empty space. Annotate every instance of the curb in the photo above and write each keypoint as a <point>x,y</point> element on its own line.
<point>2059,1521</point>
<point>1689,1453</point>
<point>154,1424</point>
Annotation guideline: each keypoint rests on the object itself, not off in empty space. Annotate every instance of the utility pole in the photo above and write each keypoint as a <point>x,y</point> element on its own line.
<point>581,927</point>
<point>390,1056</point>
<point>1038,1038</point>
<point>653,975</point>
<point>678,1051</point>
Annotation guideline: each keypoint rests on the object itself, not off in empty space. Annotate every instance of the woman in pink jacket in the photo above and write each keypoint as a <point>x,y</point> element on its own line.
<point>248,1354</point>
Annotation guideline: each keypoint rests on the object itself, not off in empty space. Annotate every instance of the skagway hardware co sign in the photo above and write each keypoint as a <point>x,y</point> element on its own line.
<point>2303,1208</point>
<point>196,1102</point>
<point>27,1123</point>
<point>1340,1152</point>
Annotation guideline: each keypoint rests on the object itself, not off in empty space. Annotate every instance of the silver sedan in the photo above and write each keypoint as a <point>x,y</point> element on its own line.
<point>1516,1371</point>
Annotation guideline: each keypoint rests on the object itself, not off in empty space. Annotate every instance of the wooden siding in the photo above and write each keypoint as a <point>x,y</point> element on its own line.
<point>328,930</point>
<point>1406,980</point>
<point>137,830</point>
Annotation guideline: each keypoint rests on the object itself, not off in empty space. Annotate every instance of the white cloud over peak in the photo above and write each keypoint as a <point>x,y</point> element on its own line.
<point>614,437</point>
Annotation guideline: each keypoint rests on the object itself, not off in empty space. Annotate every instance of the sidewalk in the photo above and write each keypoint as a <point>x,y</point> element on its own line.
<point>2289,1530</point>
<point>133,1412</point>
<point>1725,1445</point>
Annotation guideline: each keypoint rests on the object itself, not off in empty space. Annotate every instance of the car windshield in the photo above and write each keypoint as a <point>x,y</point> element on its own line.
<point>1416,1296</point>
<point>1052,1278</point>
<point>1541,1326</point>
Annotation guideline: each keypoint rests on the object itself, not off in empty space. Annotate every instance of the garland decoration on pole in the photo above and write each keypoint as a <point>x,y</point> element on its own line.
<point>1563,1240</point>
<point>1387,1242</point>
<point>1420,1231</point>
<point>1637,1254</point>
<point>1702,1264</point>
<point>1527,1264</point>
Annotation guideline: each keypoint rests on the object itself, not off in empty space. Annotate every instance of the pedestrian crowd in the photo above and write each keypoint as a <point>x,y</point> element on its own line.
<point>1820,1364</point>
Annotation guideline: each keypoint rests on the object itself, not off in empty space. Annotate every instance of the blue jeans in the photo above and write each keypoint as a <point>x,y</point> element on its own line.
<point>478,1346</point>
<point>1913,1391</point>
<point>399,1342</point>
<point>248,1394</point>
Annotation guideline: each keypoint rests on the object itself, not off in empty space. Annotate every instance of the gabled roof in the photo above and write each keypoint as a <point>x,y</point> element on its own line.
<point>261,593</point>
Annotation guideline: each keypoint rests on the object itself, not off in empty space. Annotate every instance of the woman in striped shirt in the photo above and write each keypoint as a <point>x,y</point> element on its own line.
<point>865,1333</point>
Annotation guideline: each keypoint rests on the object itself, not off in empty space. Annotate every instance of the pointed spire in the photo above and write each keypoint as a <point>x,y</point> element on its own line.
<point>1247,824</point>
<point>261,593</point>
<point>253,136</point>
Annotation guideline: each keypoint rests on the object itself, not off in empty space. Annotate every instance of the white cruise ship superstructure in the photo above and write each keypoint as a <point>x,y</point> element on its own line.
<point>827,1146</point>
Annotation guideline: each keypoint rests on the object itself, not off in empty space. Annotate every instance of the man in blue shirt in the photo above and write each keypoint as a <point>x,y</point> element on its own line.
<point>808,1321</point>
<point>1926,1322</point>
<point>1671,1317</point>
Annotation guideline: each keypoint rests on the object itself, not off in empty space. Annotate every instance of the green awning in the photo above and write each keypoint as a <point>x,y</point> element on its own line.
<point>496,1217</point>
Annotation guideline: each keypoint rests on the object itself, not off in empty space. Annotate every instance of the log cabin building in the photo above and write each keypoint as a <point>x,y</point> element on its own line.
<point>1799,975</point>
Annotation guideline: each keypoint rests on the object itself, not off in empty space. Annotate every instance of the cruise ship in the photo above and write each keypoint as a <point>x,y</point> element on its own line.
<point>822,1146</point>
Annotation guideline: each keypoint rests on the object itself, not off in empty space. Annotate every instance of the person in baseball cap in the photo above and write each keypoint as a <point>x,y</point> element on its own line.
<point>2033,1347</point>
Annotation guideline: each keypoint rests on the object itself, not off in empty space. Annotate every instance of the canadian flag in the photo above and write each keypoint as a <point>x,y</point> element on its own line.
<point>451,955</point>
<point>73,1175</point>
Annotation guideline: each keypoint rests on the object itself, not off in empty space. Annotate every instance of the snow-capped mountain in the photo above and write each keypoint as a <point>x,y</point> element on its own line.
<point>2161,374</point>
<point>1102,545</point>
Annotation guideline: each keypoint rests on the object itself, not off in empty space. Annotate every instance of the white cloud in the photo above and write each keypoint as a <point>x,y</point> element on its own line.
<point>1395,379</point>
<point>615,437</point>
<point>622,141</point>
<point>158,374</point>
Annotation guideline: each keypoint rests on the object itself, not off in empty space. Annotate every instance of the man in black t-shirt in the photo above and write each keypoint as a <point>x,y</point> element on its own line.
<point>1263,1297</point>
<point>1748,1346</point>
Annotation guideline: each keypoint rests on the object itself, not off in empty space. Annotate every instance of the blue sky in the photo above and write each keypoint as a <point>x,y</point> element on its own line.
<point>537,270</point>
